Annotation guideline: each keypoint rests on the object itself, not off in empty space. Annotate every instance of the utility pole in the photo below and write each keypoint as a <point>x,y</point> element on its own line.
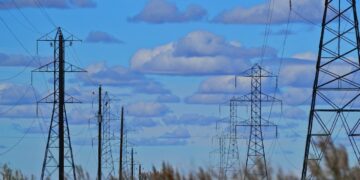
<point>132,163</point>
<point>100,116</point>
<point>121,144</point>
<point>337,72</point>
<point>140,172</point>
<point>58,142</point>
<point>256,98</point>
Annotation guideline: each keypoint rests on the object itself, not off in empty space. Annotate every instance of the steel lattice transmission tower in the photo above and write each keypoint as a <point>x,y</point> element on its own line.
<point>231,163</point>
<point>334,114</point>
<point>107,156</point>
<point>256,99</point>
<point>58,154</point>
<point>222,152</point>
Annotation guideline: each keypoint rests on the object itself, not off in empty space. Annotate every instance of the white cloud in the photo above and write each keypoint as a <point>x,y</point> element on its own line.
<point>100,73</point>
<point>306,56</point>
<point>297,75</point>
<point>59,4</point>
<point>162,11</point>
<point>19,111</point>
<point>11,94</point>
<point>198,53</point>
<point>296,96</point>
<point>142,122</point>
<point>189,119</point>
<point>16,60</point>
<point>168,98</point>
<point>199,98</point>
<point>102,37</point>
<point>153,141</point>
<point>147,109</point>
<point>178,133</point>
<point>259,14</point>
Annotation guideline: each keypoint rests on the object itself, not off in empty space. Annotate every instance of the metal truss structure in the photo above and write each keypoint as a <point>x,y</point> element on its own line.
<point>58,153</point>
<point>334,113</point>
<point>256,99</point>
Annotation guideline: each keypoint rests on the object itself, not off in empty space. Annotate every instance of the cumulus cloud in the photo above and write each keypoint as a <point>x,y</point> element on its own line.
<point>198,53</point>
<point>159,142</point>
<point>297,75</point>
<point>306,56</point>
<point>259,14</point>
<point>295,83</point>
<point>16,60</point>
<point>11,94</point>
<point>189,119</point>
<point>31,130</point>
<point>142,122</point>
<point>81,116</point>
<point>58,4</point>
<point>147,109</point>
<point>293,113</point>
<point>178,133</point>
<point>281,32</point>
<point>100,73</point>
<point>168,98</point>
<point>151,87</point>
<point>102,37</point>
<point>296,96</point>
<point>162,11</point>
<point>19,111</point>
<point>227,85</point>
<point>210,99</point>
<point>175,137</point>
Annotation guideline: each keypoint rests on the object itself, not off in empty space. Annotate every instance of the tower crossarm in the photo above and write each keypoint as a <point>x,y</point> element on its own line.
<point>264,98</point>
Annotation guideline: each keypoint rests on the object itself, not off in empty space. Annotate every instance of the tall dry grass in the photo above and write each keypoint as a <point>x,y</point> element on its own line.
<point>335,166</point>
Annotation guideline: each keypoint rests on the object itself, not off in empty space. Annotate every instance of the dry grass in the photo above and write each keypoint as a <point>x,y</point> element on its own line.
<point>335,166</point>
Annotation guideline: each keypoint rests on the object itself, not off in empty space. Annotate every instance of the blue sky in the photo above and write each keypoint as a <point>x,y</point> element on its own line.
<point>171,63</point>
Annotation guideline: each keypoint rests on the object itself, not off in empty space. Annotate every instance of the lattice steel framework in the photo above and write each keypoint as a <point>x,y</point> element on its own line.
<point>336,88</point>
<point>58,152</point>
<point>222,162</point>
<point>256,99</point>
<point>232,161</point>
<point>107,156</point>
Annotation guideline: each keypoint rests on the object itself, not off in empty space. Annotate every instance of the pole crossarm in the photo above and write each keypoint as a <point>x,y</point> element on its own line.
<point>50,99</point>
<point>49,67</point>
<point>264,98</point>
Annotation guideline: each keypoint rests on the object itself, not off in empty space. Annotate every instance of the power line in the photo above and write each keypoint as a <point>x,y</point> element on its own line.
<point>44,12</point>
<point>19,141</point>
<point>25,17</point>
<point>267,29</point>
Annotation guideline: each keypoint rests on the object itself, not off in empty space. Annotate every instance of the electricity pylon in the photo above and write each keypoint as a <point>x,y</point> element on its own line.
<point>58,152</point>
<point>256,99</point>
<point>336,88</point>
<point>107,156</point>
<point>232,161</point>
